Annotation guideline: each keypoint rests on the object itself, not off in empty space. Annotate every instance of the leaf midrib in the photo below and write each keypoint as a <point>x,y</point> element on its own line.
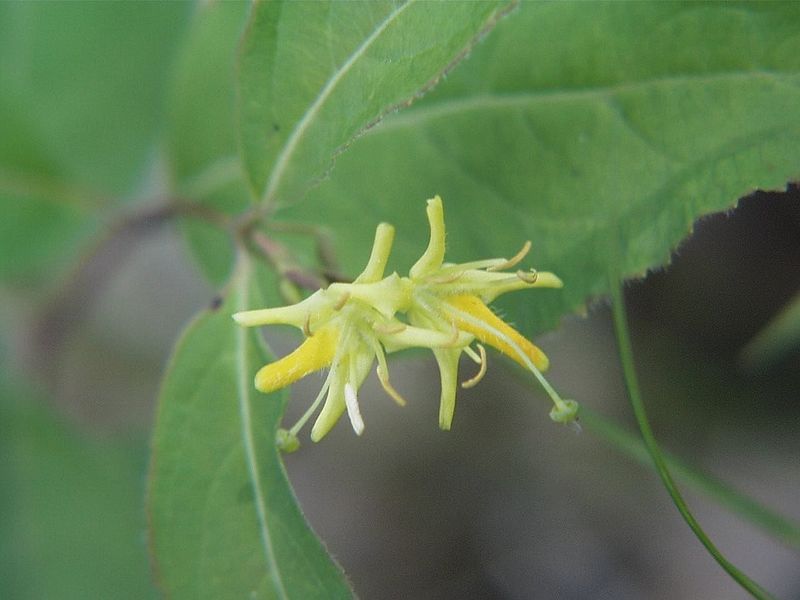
<point>251,458</point>
<point>282,162</point>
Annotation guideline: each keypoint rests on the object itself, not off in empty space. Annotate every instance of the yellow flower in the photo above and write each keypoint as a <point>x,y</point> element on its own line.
<point>441,306</point>
<point>456,295</point>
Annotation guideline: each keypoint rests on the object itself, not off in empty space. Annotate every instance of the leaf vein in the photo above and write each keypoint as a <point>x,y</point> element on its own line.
<point>282,163</point>
<point>244,397</point>
<point>499,101</point>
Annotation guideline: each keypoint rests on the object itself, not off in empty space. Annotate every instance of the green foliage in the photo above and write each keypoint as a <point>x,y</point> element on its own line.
<point>72,524</point>
<point>311,77</point>
<point>573,124</point>
<point>225,523</point>
<point>202,131</point>
<point>37,232</point>
<point>292,556</point>
<point>599,131</point>
<point>81,97</point>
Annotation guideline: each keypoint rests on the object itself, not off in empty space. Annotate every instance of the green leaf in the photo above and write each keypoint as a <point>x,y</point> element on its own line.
<point>81,88</point>
<point>313,76</point>
<point>224,521</point>
<point>202,143</point>
<point>574,124</point>
<point>88,77</point>
<point>39,235</point>
<point>71,523</point>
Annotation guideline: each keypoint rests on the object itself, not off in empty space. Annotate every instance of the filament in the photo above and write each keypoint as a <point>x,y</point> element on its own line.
<point>474,381</point>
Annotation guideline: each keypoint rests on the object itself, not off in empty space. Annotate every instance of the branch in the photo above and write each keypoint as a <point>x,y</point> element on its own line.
<point>77,295</point>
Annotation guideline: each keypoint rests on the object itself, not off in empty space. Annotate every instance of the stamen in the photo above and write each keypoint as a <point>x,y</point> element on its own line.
<point>383,377</point>
<point>383,373</point>
<point>311,409</point>
<point>474,381</point>
<point>307,326</point>
<point>528,276</point>
<point>351,401</point>
<point>342,301</point>
<point>471,353</point>
<point>514,260</point>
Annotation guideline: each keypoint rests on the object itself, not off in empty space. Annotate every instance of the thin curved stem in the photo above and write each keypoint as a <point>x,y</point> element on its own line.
<point>627,442</point>
<point>634,394</point>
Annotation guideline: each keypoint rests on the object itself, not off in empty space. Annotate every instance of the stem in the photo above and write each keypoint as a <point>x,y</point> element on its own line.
<point>241,281</point>
<point>284,263</point>
<point>322,241</point>
<point>771,522</point>
<point>74,298</point>
<point>634,394</point>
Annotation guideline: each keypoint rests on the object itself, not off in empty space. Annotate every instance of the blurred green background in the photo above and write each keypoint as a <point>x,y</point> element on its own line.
<point>506,505</point>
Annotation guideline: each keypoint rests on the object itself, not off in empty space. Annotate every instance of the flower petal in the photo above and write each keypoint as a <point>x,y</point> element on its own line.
<point>448,373</point>
<point>312,355</point>
<point>473,316</point>
<point>294,314</point>
<point>488,285</point>
<point>381,248</point>
<point>334,404</point>
<point>351,371</point>
<point>418,337</point>
<point>433,257</point>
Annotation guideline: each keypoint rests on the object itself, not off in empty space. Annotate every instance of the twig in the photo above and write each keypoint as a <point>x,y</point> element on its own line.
<point>77,295</point>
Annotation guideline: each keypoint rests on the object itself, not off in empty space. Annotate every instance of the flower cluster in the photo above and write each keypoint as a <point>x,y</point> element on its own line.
<point>349,327</point>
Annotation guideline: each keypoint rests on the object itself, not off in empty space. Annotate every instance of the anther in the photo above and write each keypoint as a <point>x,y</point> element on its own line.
<point>351,402</point>
<point>514,260</point>
<point>528,276</point>
<point>307,326</point>
<point>474,381</point>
